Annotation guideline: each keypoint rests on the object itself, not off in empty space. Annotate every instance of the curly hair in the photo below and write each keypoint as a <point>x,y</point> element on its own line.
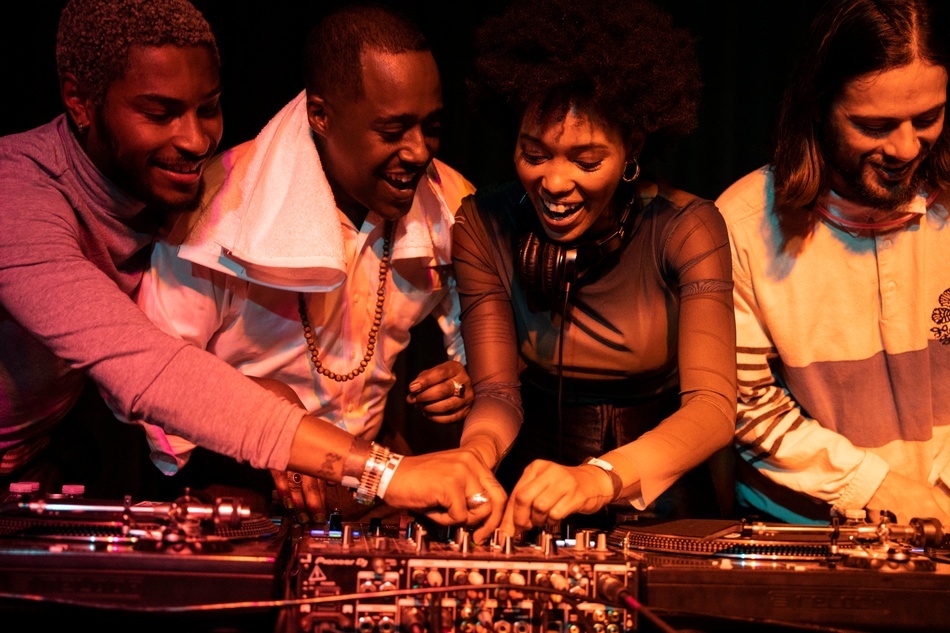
<point>625,59</point>
<point>332,56</point>
<point>848,39</point>
<point>95,36</point>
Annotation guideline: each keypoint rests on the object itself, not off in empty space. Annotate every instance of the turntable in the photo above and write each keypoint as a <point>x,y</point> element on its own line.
<point>63,554</point>
<point>854,575</point>
<point>194,566</point>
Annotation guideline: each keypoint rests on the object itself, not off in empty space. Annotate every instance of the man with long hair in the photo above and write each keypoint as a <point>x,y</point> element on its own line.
<point>842,288</point>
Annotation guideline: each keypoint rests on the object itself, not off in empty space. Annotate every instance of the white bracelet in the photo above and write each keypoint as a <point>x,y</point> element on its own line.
<point>372,474</point>
<point>394,459</point>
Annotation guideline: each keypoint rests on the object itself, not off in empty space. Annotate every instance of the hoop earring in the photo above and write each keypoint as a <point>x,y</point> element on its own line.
<point>636,170</point>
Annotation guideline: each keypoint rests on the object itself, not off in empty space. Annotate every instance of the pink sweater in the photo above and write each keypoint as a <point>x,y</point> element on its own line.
<point>73,248</point>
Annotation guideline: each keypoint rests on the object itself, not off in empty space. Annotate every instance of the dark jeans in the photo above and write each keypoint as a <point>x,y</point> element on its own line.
<point>591,425</point>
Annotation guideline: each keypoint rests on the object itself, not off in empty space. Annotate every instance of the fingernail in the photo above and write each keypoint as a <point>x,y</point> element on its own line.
<point>288,503</point>
<point>303,517</point>
<point>414,387</point>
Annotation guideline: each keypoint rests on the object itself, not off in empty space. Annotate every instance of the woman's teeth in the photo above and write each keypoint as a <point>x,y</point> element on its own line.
<point>560,211</point>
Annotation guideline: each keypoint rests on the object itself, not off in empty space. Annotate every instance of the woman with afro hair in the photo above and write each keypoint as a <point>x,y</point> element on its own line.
<point>596,303</point>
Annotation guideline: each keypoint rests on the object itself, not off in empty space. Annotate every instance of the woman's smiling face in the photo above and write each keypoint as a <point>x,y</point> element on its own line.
<point>570,167</point>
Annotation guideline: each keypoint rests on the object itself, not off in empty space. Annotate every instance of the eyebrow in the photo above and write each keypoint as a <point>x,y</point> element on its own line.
<point>931,112</point>
<point>406,119</point>
<point>167,101</point>
<point>581,148</point>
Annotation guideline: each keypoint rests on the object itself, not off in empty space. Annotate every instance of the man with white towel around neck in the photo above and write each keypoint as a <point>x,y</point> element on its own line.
<point>323,241</point>
<point>81,199</point>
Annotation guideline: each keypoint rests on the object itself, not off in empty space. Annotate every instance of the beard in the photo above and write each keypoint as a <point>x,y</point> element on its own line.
<point>134,183</point>
<point>860,181</point>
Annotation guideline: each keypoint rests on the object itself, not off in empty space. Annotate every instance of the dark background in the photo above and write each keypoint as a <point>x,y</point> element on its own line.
<point>745,49</point>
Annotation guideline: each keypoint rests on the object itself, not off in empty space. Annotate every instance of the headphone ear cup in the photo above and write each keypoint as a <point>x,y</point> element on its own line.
<point>528,259</point>
<point>544,266</point>
<point>550,268</point>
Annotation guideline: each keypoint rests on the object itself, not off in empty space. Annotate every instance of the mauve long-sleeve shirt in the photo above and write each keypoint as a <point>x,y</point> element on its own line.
<point>73,247</point>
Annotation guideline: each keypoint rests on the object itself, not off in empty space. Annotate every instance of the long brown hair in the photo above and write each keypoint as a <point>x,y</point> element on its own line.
<point>848,39</point>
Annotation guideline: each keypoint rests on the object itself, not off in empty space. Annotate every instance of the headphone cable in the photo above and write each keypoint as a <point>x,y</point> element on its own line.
<point>560,373</point>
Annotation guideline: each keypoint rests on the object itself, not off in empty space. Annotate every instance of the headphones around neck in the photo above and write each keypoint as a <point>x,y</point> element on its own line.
<point>553,270</point>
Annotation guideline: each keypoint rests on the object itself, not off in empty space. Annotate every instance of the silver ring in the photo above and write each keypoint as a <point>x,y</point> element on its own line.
<point>476,500</point>
<point>459,391</point>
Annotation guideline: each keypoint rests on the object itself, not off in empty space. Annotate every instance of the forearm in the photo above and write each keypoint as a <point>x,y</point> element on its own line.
<point>490,429</point>
<point>324,450</point>
<point>795,451</point>
<point>774,434</point>
<point>210,403</point>
<point>654,461</point>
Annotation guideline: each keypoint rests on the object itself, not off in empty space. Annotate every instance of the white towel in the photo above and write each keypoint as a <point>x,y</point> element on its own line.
<point>274,220</point>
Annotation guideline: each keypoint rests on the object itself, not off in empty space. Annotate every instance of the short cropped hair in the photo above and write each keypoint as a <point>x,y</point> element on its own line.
<point>95,37</point>
<point>625,59</point>
<point>332,57</point>
<point>848,39</point>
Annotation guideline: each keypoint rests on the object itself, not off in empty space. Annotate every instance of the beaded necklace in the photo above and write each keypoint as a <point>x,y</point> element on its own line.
<point>373,332</point>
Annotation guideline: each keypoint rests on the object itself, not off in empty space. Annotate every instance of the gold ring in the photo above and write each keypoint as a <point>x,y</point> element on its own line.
<point>459,389</point>
<point>476,500</point>
<point>295,481</point>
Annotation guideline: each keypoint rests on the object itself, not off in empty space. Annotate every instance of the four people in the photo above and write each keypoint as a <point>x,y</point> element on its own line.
<point>842,288</point>
<point>596,299</point>
<point>596,303</point>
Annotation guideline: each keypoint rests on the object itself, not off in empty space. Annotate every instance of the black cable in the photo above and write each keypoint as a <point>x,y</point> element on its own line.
<point>615,591</point>
<point>568,597</point>
<point>560,373</point>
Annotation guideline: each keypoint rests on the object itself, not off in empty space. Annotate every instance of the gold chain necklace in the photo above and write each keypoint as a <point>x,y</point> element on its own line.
<point>373,332</point>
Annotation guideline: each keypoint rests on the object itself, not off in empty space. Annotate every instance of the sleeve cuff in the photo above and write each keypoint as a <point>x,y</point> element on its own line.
<point>867,479</point>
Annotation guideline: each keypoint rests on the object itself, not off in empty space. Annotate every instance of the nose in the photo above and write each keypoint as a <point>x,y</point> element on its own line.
<point>903,144</point>
<point>417,148</point>
<point>556,180</point>
<point>197,135</point>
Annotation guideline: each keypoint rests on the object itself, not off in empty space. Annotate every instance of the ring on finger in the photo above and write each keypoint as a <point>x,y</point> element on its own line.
<point>459,391</point>
<point>295,481</point>
<point>476,500</point>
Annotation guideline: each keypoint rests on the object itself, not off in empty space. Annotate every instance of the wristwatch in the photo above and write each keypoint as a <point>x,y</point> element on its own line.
<point>608,468</point>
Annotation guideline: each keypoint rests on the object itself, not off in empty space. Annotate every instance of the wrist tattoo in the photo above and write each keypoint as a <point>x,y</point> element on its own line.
<point>328,468</point>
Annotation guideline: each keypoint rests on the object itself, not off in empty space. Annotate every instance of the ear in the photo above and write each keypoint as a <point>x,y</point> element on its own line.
<point>317,114</point>
<point>635,146</point>
<point>75,100</point>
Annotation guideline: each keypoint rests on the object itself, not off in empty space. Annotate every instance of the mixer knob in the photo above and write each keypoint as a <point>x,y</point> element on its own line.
<point>73,490</point>
<point>24,487</point>
<point>434,578</point>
